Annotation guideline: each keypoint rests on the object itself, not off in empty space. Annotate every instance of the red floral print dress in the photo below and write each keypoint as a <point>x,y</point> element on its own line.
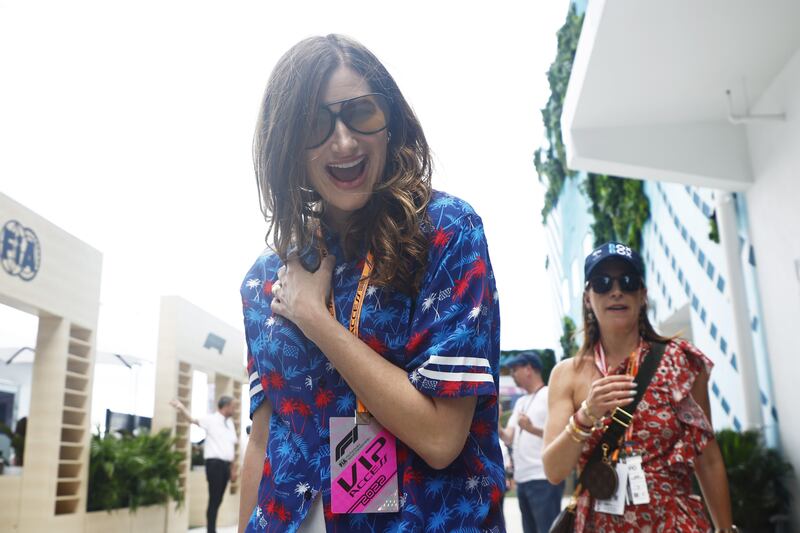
<point>670,431</point>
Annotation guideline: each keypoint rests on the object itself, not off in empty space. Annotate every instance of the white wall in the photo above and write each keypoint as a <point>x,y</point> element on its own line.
<point>683,291</point>
<point>774,210</point>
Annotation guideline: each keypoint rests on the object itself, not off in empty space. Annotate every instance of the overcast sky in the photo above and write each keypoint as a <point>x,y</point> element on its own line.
<point>130,124</point>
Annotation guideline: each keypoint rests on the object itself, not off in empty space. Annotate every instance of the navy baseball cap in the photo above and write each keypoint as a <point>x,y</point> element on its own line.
<point>524,358</point>
<point>612,250</point>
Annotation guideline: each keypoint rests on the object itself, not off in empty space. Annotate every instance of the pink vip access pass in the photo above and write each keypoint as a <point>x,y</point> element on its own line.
<point>363,467</point>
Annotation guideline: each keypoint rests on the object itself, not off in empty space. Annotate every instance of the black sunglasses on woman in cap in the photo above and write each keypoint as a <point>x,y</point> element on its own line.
<point>603,283</point>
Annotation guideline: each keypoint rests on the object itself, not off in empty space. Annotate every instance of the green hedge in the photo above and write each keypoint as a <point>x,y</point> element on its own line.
<point>569,344</point>
<point>620,209</point>
<point>551,161</point>
<point>758,478</point>
<point>619,205</point>
<point>132,471</point>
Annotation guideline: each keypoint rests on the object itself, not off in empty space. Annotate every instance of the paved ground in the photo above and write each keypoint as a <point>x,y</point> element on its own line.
<point>510,508</point>
<point>513,516</point>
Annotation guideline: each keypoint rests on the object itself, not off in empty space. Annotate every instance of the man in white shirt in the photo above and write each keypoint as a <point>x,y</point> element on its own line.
<point>539,501</point>
<point>218,451</point>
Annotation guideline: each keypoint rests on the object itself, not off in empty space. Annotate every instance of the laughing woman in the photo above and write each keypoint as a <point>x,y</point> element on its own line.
<point>668,437</point>
<point>372,322</point>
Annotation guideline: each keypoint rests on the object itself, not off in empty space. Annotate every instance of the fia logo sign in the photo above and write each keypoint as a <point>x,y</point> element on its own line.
<point>21,253</point>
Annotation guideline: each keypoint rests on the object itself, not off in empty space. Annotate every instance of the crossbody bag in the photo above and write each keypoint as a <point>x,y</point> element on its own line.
<point>599,476</point>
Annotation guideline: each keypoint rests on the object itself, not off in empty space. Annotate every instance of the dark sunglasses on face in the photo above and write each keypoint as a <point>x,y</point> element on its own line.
<point>627,283</point>
<point>367,114</point>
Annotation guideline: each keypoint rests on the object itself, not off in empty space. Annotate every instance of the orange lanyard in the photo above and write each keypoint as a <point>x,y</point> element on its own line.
<point>355,313</point>
<point>633,360</point>
<point>632,368</point>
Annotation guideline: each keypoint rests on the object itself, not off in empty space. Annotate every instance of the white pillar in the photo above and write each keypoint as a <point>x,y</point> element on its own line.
<point>729,239</point>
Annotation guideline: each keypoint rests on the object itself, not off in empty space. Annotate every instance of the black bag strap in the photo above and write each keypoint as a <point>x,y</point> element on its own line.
<point>622,418</point>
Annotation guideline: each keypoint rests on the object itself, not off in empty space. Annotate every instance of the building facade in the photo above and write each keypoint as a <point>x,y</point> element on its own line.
<point>690,295</point>
<point>687,282</point>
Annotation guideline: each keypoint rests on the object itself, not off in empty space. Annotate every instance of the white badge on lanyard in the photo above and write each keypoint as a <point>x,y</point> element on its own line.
<point>637,482</point>
<point>616,503</point>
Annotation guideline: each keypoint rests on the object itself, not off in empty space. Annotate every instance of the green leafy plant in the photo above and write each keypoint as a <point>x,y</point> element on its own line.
<point>548,358</point>
<point>567,340</point>
<point>713,228</point>
<point>551,161</point>
<point>758,479</point>
<point>505,416</point>
<point>619,205</point>
<point>132,471</point>
<point>620,209</point>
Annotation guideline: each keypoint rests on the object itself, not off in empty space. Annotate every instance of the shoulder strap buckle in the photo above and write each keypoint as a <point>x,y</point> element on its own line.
<point>622,417</point>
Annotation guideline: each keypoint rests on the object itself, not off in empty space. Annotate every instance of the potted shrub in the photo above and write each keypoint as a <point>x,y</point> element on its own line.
<point>133,471</point>
<point>758,478</point>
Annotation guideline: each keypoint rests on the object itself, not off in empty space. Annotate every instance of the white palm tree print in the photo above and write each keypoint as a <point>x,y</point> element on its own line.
<point>255,285</point>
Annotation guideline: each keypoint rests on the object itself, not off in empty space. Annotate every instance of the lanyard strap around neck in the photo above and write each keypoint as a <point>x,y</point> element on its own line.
<point>617,427</point>
<point>632,368</point>
<point>355,316</point>
<point>633,360</point>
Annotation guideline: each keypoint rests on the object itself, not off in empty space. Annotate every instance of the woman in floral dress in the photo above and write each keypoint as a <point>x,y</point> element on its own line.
<point>670,434</point>
<point>376,292</point>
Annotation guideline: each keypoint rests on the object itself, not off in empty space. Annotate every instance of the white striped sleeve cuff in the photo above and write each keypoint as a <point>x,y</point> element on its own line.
<point>255,384</point>
<point>457,368</point>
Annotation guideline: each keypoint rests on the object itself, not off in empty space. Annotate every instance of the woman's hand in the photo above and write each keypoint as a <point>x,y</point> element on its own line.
<point>608,393</point>
<point>301,296</point>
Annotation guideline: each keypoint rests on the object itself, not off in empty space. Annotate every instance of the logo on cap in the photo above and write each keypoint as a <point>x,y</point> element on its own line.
<point>620,249</point>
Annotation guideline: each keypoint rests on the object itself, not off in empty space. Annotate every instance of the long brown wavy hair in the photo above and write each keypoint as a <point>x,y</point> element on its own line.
<point>390,224</point>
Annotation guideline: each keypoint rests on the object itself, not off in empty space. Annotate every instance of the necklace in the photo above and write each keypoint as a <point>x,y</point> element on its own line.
<point>530,400</point>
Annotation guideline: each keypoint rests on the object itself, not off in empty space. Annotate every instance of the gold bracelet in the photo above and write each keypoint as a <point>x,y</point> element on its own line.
<point>577,434</point>
<point>572,435</point>
<point>576,431</point>
<point>597,422</point>
<point>578,424</point>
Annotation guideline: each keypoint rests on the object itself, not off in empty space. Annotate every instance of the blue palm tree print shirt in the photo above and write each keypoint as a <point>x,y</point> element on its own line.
<point>447,338</point>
